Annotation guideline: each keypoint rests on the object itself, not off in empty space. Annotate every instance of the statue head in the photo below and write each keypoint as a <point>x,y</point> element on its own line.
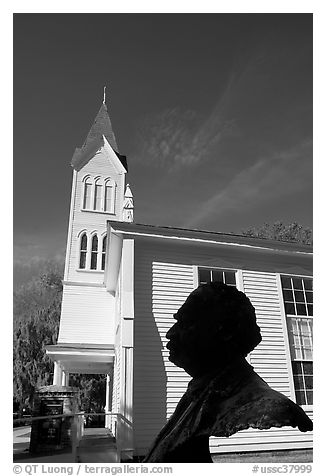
<point>215,326</point>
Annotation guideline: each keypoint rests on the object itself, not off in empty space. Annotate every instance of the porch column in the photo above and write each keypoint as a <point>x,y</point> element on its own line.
<point>107,402</point>
<point>65,378</point>
<point>57,374</point>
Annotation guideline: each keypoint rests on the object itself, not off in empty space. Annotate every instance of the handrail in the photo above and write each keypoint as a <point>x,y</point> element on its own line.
<point>44,417</point>
<point>78,425</point>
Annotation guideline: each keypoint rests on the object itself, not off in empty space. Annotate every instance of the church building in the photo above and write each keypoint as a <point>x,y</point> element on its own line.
<point>123,282</point>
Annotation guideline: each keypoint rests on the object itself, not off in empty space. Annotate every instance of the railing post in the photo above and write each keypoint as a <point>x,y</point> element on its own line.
<point>74,437</point>
<point>118,437</point>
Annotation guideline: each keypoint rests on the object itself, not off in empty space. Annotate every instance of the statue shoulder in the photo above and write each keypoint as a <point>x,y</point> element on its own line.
<point>273,409</point>
<point>257,405</point>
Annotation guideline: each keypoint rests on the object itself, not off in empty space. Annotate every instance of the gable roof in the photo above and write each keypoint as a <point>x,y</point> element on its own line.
<point>101,127</point>
<point>229,250</point>
<point>155,231</point>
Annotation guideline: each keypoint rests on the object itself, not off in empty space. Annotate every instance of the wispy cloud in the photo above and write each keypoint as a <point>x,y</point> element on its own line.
<point>173,137</point>
<point>270,178</point>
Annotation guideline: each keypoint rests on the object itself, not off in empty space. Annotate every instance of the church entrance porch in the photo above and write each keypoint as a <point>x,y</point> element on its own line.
<point>90,369</point>
<point>97,446</point>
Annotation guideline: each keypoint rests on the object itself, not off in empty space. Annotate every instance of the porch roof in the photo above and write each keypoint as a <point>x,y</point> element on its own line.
<point>82,358</point>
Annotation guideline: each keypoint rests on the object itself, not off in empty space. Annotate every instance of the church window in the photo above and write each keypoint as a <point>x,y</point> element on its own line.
<point>87,193</point>
<point>98,197</point>
<point>207,275</point>
<point>298,299</point>
<point>103,253</point>
<point>94,252</point>
<point>83,251</point>
<point>109,197</point>
<point>98,194</point>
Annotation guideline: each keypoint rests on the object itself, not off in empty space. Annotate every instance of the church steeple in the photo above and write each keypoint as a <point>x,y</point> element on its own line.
<point>94,141</point>
<point>102,126</point>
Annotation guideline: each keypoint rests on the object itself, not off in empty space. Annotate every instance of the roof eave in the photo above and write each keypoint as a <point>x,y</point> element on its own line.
<point>153,231</point>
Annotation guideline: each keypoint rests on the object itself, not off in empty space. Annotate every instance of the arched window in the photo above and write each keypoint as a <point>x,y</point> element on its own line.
<point>98,196</point>
<point>87,193</point>
<point>103,253</point>
<point>109,197</point>
<point>83,251</point>
<point>94,252</point>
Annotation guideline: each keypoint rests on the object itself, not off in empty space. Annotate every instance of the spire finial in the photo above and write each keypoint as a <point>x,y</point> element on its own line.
<point>104,94</point>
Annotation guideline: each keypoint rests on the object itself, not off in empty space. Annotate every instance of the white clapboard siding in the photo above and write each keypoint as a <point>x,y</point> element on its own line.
<point>262,290</point>
<point>87,316</point>
<point>99,166</point>
<point>270,361</point>
<point>160,289</point>
<point>116,391</point>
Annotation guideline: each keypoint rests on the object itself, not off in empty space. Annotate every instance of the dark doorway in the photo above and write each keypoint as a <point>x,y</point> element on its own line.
<point>92,391</point>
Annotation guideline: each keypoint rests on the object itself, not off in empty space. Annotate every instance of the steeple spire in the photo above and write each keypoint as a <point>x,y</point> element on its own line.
<point>101,127</point>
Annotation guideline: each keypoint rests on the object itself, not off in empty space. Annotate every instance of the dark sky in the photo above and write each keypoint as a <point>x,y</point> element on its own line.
<point>214,112</point>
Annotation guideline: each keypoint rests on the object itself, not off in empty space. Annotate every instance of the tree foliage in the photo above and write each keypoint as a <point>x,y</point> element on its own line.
<point>37,307</point>
<point>92,393</point>
<point>292,232</point>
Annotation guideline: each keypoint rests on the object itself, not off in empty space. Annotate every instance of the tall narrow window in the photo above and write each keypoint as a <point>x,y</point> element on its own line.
<point>206,275</point>
<point>97,197</point>
<point>108,199</point>
<point>103,253</point>
<point>297,296</point>
<point>83,251</point>
<point>94,252</point>
<point>87,194</point>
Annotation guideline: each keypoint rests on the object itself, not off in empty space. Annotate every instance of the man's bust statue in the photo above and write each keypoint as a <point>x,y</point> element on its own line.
<point>215,330</point>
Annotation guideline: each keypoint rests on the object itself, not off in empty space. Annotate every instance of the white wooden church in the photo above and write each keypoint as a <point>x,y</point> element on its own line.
<point>123,282</point>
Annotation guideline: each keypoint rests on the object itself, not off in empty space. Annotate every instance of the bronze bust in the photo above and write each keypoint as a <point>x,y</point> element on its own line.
<point>215,330</point>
